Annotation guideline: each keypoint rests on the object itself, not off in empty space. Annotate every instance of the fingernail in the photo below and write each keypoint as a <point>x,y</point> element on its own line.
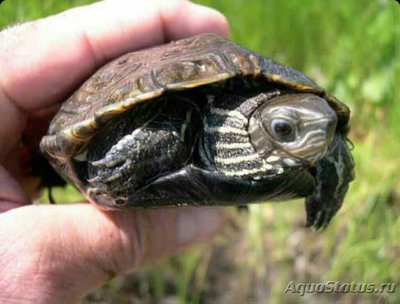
<point>198,224</point>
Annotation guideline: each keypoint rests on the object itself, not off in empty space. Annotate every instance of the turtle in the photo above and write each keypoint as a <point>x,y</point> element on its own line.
<point>202,121</point>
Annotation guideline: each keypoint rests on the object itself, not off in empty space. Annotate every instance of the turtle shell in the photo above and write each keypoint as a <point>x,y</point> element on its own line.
<point>142,76</point>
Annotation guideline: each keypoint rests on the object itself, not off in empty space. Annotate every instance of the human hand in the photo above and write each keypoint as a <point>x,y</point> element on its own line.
<point>58,253</point>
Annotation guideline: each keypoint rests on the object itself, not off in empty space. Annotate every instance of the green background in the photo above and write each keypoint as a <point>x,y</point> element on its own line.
<point>351,48</point>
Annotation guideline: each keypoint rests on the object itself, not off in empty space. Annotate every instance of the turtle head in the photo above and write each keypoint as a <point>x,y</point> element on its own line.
<point>293,129</point>
<point>300,131</point>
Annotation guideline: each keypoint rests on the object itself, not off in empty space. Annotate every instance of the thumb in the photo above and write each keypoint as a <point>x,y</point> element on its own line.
<point>57,254</point>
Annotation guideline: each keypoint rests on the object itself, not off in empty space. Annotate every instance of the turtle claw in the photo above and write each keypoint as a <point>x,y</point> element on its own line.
<point>320,220</point>
<point>94,191</point>
<point>94,180</point>
<point>100,163</point>
<point>113,177</point>
<point>108,162</point>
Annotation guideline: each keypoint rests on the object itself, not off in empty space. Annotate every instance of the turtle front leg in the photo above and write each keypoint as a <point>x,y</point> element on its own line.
<point>333,174</point>
<point>163,145</point>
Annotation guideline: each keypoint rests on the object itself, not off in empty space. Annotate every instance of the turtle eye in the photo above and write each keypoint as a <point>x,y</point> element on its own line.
<point>283,130</point>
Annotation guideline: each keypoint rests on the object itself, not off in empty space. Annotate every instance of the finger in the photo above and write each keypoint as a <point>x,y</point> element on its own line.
<point>65,251</point>
<point>11,193</point>
<point>66,48</point>
<point>41,62</point>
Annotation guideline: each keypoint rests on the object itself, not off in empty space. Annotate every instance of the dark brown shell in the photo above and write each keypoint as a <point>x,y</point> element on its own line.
<point>140,76</point>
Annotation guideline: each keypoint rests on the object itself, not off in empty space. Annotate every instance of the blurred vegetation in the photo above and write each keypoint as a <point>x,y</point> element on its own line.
<point>352,48</point>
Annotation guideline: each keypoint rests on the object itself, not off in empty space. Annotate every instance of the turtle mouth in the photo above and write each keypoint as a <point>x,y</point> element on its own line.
<point>310,159</point>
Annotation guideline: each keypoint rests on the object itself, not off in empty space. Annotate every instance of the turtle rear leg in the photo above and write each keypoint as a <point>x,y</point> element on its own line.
<point>162,145</point>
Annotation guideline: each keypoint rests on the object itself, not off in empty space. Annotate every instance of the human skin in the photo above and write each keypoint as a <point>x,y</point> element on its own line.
<point>58,253</point>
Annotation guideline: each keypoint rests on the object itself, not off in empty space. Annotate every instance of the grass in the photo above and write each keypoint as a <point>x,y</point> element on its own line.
<point>352,48</point>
